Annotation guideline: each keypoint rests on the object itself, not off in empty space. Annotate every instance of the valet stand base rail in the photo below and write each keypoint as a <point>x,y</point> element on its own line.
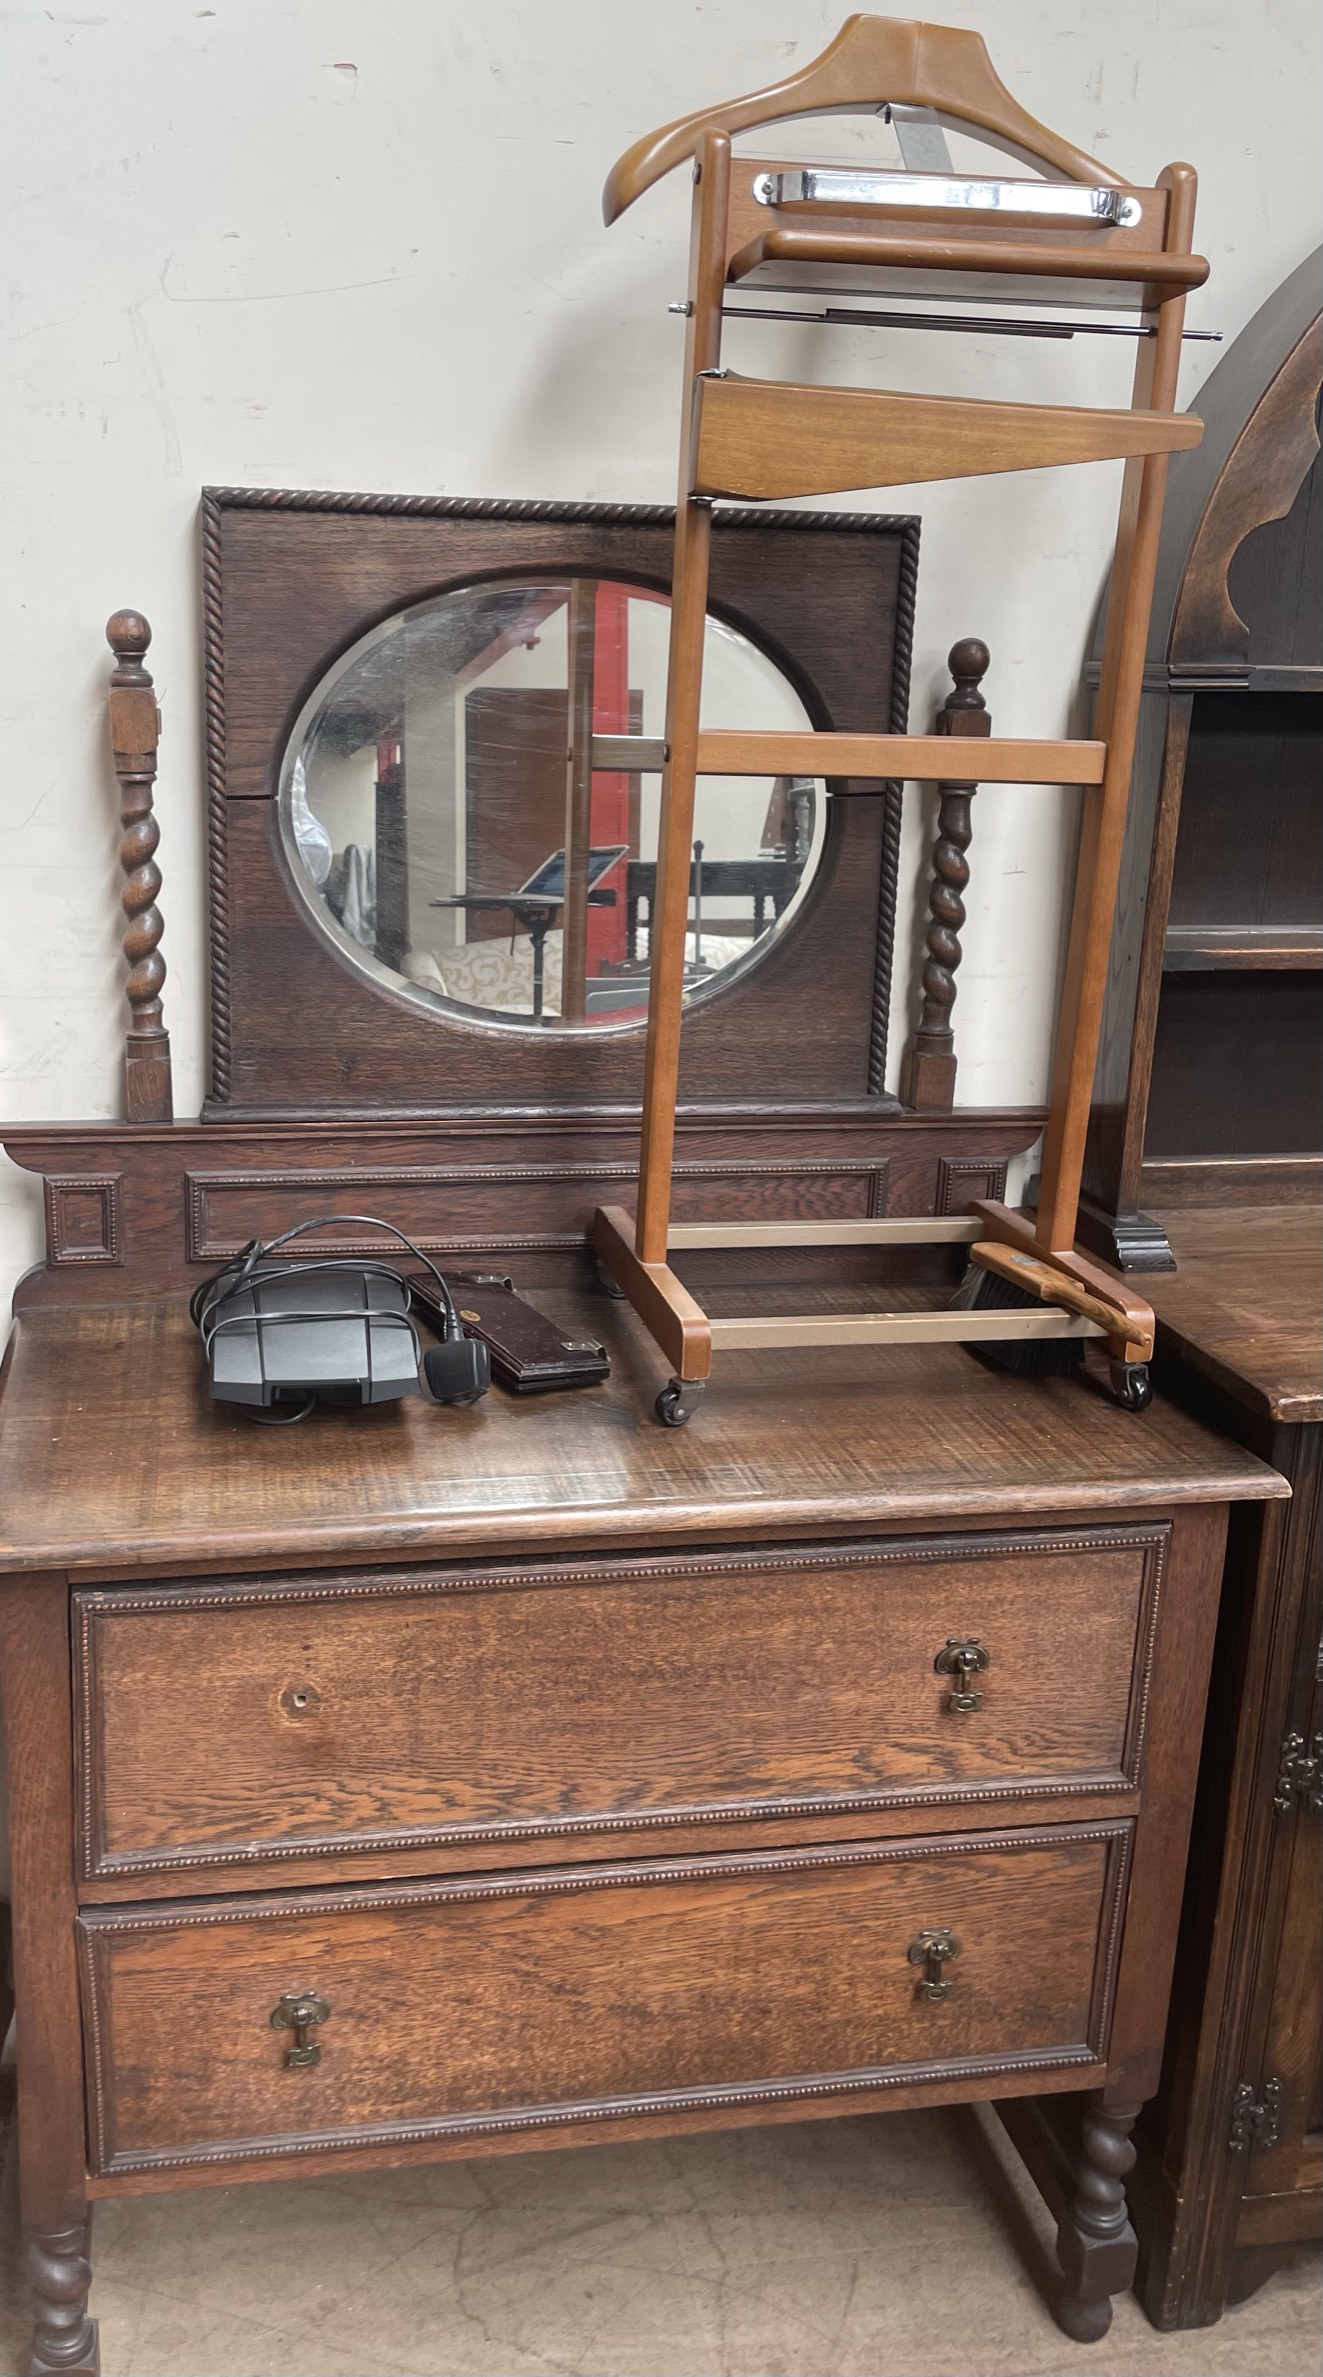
<point>1078,1298</point>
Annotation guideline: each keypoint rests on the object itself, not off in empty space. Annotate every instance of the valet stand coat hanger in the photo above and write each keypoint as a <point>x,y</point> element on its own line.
<point>760,439</point>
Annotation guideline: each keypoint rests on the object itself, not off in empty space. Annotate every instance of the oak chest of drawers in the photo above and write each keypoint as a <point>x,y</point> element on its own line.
<point>440,1784</point>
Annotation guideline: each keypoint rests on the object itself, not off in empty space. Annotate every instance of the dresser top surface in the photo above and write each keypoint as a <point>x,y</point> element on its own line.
<point>1245,1303</point>
<point>113,1458</point>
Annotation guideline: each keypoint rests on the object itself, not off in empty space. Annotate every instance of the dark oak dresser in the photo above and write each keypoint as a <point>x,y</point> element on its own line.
<point>428,1784</point>
<point>1230,2174</point>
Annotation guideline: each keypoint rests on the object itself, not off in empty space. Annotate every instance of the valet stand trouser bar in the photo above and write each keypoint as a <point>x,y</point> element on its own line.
<point>759,438</point>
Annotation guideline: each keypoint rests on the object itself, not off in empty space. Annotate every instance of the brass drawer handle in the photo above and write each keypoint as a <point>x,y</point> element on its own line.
<point>934,1951</point>
<point>300,2012</point>
<point>963,1657</point>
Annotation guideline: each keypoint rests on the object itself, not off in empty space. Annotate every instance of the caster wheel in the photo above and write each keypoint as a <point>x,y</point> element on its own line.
<point>1131,1385</point>
<point>678,1402</point>
<point>608,1285</point>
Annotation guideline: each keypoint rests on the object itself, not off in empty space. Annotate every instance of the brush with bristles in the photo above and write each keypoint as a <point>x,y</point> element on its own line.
<point>1001,1279</point>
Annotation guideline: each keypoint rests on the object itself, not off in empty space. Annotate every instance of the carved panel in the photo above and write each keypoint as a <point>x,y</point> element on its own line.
<point>960,1181</point>
<point>83,1218</point>
<point>153,1205</point>
<point>1259,483</point>
<point>494,1206</point>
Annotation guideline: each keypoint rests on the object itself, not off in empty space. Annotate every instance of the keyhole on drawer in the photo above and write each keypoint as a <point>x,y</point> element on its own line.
<point>300,1700</point>
<point>300,2011</point>
<point>934,1951</point>
<point>962,1659</point>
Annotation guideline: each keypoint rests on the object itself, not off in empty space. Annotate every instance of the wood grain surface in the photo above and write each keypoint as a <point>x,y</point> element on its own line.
<point>1245,1305</point>
<point>135,726</point>
<point>591,1991</point>
<point>38,1755</point>
<point>1183,1651</point>
<point>1120,688</point>
<point>1259,482</point>
<point>112,1457</point>
<point>1214,2224</point>
<point>864,249</point>
<point>725,751</point>
<point>291,581</point>
<point>142,1210</point>
<point>494,1704</point>
<point>755,438</point>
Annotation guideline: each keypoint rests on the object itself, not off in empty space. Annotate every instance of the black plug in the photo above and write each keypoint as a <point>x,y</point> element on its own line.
<point>457,1371</point>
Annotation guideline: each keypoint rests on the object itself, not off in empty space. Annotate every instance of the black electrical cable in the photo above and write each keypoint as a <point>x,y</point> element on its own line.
<point>280,1419</point>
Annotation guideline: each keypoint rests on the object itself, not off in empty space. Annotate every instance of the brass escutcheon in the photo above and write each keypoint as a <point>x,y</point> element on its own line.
<point>300,2011</point>
<point>934,1951</point>
<point>963,1657</point>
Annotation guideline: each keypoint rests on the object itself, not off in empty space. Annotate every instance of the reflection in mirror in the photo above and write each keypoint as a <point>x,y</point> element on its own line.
<point>441,836</point>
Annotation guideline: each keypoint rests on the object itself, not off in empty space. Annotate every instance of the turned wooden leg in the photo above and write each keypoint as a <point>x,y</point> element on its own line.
<point>63,2337</point>
<point>36,1709</point>
<point>1096,2245</point>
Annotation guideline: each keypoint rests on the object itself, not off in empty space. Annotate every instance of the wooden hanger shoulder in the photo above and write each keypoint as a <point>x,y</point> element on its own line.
<point>872,61</point>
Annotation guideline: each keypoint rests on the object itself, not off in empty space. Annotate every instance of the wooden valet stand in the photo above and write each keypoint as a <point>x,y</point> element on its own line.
<point>1086,239</point>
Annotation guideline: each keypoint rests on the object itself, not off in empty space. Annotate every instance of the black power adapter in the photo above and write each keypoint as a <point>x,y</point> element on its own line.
<point>458,1370</point>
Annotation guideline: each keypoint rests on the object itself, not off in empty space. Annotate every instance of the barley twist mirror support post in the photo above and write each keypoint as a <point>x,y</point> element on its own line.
<point>135,726</point>
<point>929,1075</point>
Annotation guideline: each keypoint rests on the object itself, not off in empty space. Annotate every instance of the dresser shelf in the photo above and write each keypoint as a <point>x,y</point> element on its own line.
<point>1255,948</point>
<point>1214,1025</point>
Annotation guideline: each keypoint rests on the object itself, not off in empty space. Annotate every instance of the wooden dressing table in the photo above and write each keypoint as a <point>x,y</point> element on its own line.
<point>568,1778</point>
<point>421,1783</point>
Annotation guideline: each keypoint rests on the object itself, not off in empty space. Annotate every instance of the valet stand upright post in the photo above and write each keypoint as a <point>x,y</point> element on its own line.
<point>1085,238</point>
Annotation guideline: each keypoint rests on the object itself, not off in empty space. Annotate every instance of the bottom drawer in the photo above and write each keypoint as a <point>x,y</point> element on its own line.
<point>518,2001</point>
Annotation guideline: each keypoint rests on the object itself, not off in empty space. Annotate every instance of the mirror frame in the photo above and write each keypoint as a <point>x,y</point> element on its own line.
<point>291,581</point>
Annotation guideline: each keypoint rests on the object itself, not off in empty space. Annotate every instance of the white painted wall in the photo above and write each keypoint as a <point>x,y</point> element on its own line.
<point>357,243</point>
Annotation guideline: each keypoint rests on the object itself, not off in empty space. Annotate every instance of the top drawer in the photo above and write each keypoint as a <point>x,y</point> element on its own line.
<point>224,1724</point>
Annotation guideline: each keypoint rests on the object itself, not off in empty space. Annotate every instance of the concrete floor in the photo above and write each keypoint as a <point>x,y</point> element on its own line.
<point>899,2245</point>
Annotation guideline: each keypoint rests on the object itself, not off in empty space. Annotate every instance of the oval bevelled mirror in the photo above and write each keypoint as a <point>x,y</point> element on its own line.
<point>430,820</point>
